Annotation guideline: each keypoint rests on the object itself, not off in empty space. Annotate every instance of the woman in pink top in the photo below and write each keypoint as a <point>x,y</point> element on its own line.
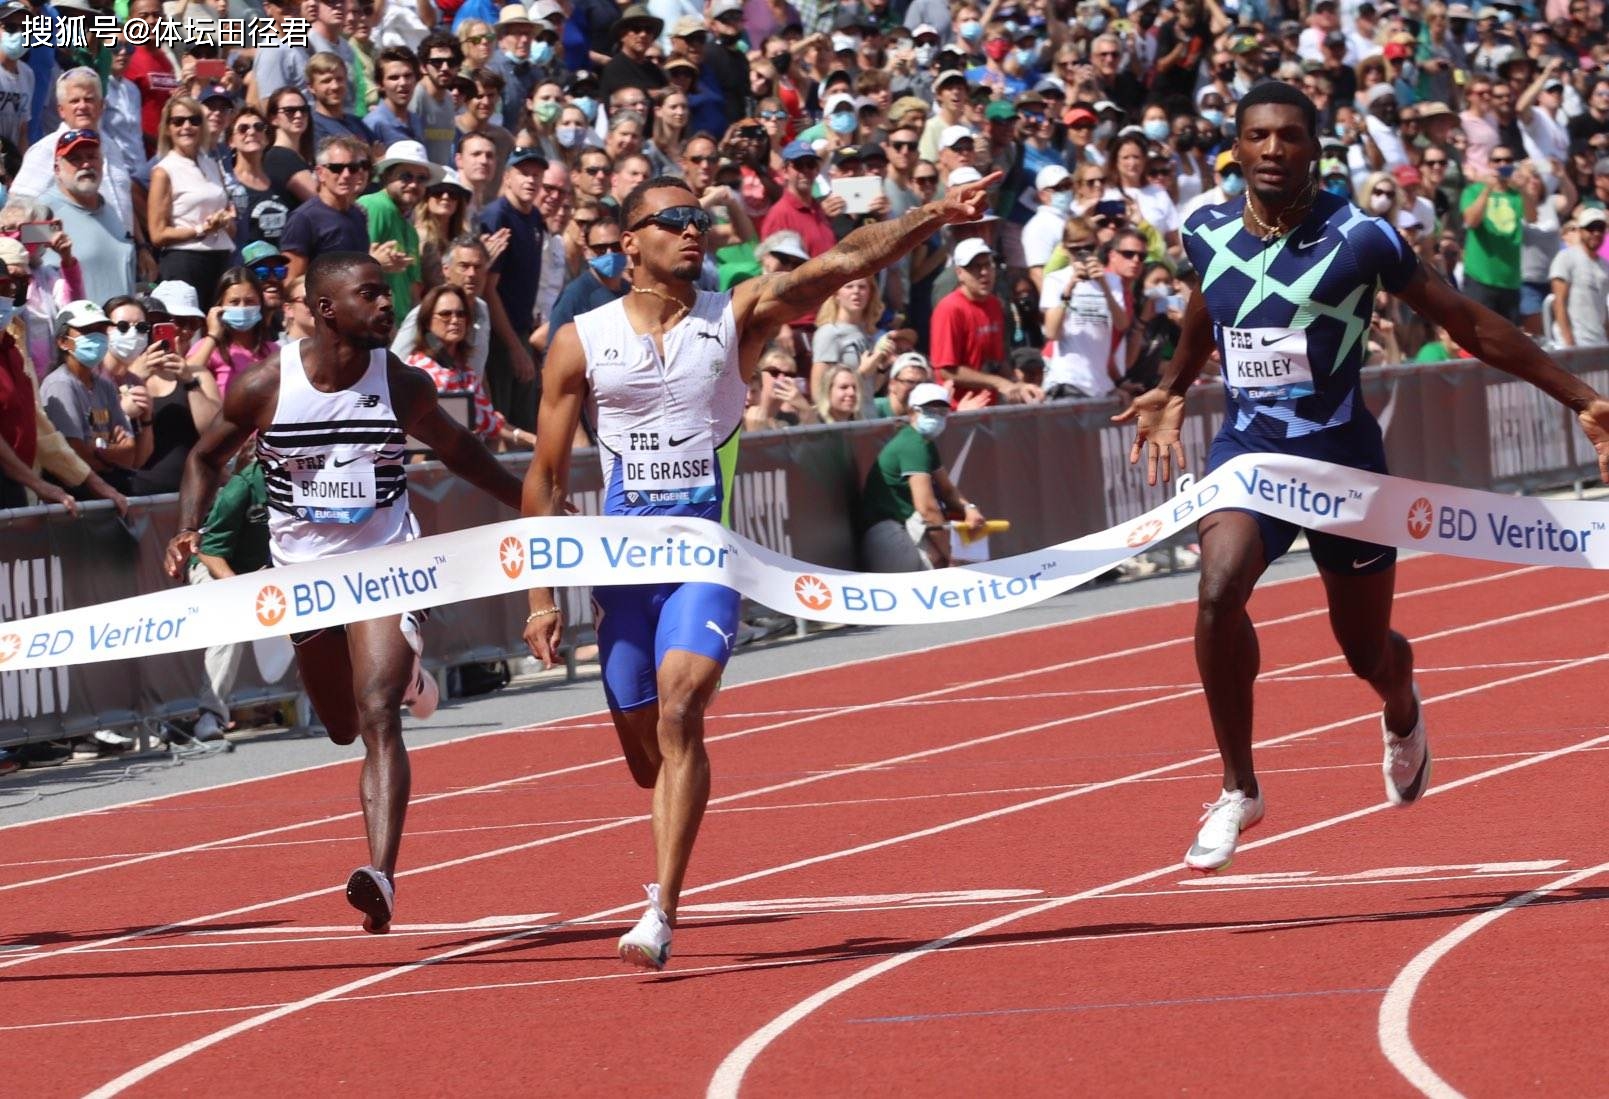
<point>237,335</point>
<point>442,351</point>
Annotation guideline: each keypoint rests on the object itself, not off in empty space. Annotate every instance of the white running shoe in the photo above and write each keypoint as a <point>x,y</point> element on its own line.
<point>1407,759</point>
<point>423,694</point>
<point>371,893</point>
<point>1221,826</point>
<point>648,944</point>
<point>409,624</point>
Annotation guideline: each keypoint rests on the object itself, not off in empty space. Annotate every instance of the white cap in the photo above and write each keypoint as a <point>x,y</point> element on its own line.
<point>843,43</point>
<point>952,134</point>
<point>178,298</point>
<point>80,314</point>
<point>926,393</point>
<point>784,242</point>
<point>847,102</point>
<point>1591,216</point>
<point>909,358</point>
<point>925,30</point>
<point>451,178</point>
<point>1406,220</point>
<point>962,176</point>
<point>1051,175</point>
<point>543,11</point>
<point>969,250</point>
<point>410,152</point>
<point>1107,105</point>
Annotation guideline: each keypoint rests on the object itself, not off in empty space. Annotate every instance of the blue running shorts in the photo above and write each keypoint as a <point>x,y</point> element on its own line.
<point>638,624</point>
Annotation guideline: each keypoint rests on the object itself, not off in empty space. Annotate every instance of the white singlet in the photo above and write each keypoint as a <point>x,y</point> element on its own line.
<point>332,463</point>
<point>662,421</point>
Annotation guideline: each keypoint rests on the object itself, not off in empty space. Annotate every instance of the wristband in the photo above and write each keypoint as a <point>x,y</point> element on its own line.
<point>191,385</point>
<point>545,612</point>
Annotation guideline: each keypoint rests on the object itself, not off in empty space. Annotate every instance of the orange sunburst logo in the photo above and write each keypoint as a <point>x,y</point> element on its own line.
<point>1143,533</point>
<point>1420,515</point>
<point>10,646</point>
<point>511,555</point>
<point>812,592</point>
<point>270,605</point>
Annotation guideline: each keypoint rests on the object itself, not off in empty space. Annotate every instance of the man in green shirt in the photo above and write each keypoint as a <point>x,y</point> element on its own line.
<point>908,494</point>
<point>404,174</point>
<point>234,542</point>
<point>1495,216</point>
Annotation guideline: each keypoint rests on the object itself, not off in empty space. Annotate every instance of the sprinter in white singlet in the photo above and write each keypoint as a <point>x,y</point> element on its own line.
<point>331,414</point>
<point>664,372</point>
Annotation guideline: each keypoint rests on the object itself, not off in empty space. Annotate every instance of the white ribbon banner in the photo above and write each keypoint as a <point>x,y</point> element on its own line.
<point>508,558</point>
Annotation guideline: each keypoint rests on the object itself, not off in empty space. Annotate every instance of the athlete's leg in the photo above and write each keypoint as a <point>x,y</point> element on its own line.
<point>1360,616</point>
<point>687,682</point>
<point>325,666</point>
<point>638,731</point>
<point>382,663</point>
<point>625,619</point>
<point>1233,557</point>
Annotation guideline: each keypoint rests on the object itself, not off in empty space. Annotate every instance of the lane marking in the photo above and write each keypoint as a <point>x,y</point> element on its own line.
<point>729,1075</point>
<point>1119,1005</point>
<point>1395,1041</point>
<point>733,1068</point>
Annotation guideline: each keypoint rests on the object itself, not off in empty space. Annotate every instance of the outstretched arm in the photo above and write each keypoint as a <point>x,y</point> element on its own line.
<point>775,300</point>
<point>1158,414</point>
<point>1498,343</point>
<point>547,481</point>
<point>457,447</point>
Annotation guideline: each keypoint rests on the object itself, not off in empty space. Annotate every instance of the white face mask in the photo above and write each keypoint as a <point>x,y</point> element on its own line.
<point>128,345</point>
<point>1379,203</point>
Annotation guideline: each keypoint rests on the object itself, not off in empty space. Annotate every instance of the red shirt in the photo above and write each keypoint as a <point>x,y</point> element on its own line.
<point>964,332</point>
<point>19,424</point>
<point>152,73</point>
<point>804,217</point>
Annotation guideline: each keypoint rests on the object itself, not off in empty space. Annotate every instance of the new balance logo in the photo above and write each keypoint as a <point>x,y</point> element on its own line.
<point>369,400</point>
<point>726,638</point>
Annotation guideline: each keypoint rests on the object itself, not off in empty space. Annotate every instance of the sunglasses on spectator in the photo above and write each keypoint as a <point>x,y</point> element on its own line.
<point>1129,253</point>
<point>805,165</point>
<point>1077,245</point>
<point>438,62</point>
<point>293,111</point>
<point>265,270</point>
<point>676,219</point>
<point>244,128</point>
<point>605,248</point>
<point>1385,192</point>
<point>751,133</point>
<point>451,314</point>
<point>710,159</point>
<point>1502,160</point>
<point>925,181</point>
<point>1427,163</point>
<point>142,327</point>
<point>778,372</point>
<point>477,40</point>
<point>341,168</point>
<point>185,120</point>
<point>1092,181</point>
<point>774,116</point>
<point>902,146</point>
<point>412,177</point>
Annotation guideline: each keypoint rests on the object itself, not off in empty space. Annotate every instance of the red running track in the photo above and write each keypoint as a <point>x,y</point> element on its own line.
<point>950,873</point>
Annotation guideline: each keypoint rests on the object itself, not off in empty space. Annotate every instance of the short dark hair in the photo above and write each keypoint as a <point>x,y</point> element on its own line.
<point>605,216</point>
<point>398,54</point>
<point>328,269</point>
<point>1279,92</point>
<point>639,195</point>
<point>442,40</point>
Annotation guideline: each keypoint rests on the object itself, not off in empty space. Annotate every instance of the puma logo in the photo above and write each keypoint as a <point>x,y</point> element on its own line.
<point>714,334</point>
<point>726,638</point>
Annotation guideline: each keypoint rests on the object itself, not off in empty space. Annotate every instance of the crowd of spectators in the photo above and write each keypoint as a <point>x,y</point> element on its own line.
<point>167,182</point>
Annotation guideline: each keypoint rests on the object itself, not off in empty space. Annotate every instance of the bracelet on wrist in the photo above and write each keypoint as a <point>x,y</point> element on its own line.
<point>545,612</point>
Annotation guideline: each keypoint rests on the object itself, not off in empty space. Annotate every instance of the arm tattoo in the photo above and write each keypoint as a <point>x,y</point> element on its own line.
<point>864,252</point>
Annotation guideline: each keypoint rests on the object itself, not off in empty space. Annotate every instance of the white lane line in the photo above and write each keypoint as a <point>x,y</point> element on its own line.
<point>180,1053</point>
<point>729,1075</point>
<point>875,765</point>
<point>1395,1041</point>
<point>614,761</point>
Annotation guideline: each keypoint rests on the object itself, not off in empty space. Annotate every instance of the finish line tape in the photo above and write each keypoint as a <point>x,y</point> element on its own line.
<point>508,558</point>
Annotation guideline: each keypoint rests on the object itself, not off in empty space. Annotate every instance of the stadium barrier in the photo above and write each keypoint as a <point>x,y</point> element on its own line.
<point>1056,471</point>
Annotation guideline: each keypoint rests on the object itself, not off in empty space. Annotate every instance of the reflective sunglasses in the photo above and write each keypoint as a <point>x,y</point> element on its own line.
<point>265,270</point>
<point>676,219</point>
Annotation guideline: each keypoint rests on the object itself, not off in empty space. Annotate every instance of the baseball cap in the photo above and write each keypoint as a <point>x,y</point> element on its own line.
<point>1001,110</point>
<point>178,299</point>
<point>80,314</point>
<point>1407,175</point>
<point>1050,176</point>
<point>1431,108</point>
<point>962,176</point>
<point>726,7</point>
<point>840,103</point>
<point>784,242</point>
<point>926,393</point>
<point>1105,106</point>
<point>905,104</point>
<point>12,252</point>
<point>799,150</point>
<point>909,358</point>
<point>260,251</point>
<point>968,252</point>
<point>1407,220</point>
<point>72,139</point>
<point>953,134</point>
<point>949,76</point>
<point>530,154</point>
<point>1225,160</point>
<point>688,25</point>
<point>849,154</point>
<point>925,30</point>
<point>1079,116</point>
<point>1589,216</point>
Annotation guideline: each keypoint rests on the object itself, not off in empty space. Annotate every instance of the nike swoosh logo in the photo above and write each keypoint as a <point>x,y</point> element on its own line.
<point>1356,564</point>
<point>1270,342</point>
<point>338,464</point>
<point>1301,246</point>
<point>673,442</point>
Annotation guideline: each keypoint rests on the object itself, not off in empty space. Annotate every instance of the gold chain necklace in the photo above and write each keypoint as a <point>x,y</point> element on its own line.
<point>1271,232</point>
<point>681,307</point>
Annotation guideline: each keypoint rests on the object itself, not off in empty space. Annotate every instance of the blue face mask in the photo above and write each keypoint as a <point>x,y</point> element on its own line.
<point>569,136</point>
<point>841,123</point>
<point>541,52</point>
<point>8,309</point>
<point>90,348</point>
<point>1157,129</point>
<point>1027,58</point>
<point>1061,201</point>
<point>243,318</point>
<point>930,425</point>
<point>1338,187</point>
<point>972,31</point>
<point>1505,171</point>
<point>1095,24</point>
<point>1233,185</point>
<point>610,265</point>
<point>1213,115</point>
<point>588,106</point>
<point>14,45</point>
<point>4,192</point>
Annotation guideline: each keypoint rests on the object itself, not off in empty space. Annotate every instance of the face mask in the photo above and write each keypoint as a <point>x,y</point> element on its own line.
<point>924,55</point>
<point>1505,171</point>
<point>971,30</point>
<point>128,345</point>
<point>930,425</point>
<point>4,191</point>
<point>1105,130</point>
<point>90,348</point>
<point>1095,24</point>
<point>1157,129</point>
<point>1379,203</point>
<point>1226,72</point>
<point>1338,187</point>
<point>1027,58</point>
<point>1061,201</point>
<point>1233,185</point>
<point>1171,303</point>
<point>546,112</point>
<point>1157,292</point>
<point>243,318</point>
<point>14,45</point>
<point>588,107</point>
<point>781,61</point>
<point>1213,115</point>
<point>997,49</point>
<point>569,136</point>
<point>7,311</point>
<point>610,265</point>
<point>841,123</point>
<point>541,52</point>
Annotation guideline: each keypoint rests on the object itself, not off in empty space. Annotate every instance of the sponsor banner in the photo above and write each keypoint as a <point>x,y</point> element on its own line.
<point>503,559</point>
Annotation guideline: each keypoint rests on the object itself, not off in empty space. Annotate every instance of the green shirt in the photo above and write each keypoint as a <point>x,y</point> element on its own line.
<point>1492,248</point>
<point>237,526</point>
<point>1435,352</point>
<point>387,223</point>
<point>887,494</point>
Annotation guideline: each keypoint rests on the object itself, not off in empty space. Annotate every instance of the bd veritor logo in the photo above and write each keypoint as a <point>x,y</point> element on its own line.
<point>1421,514</point>
<point>1143,533</point>
<point>270,605</point>
<point>10,645</point>
<point>812,592</point>
<point>511,555</point>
